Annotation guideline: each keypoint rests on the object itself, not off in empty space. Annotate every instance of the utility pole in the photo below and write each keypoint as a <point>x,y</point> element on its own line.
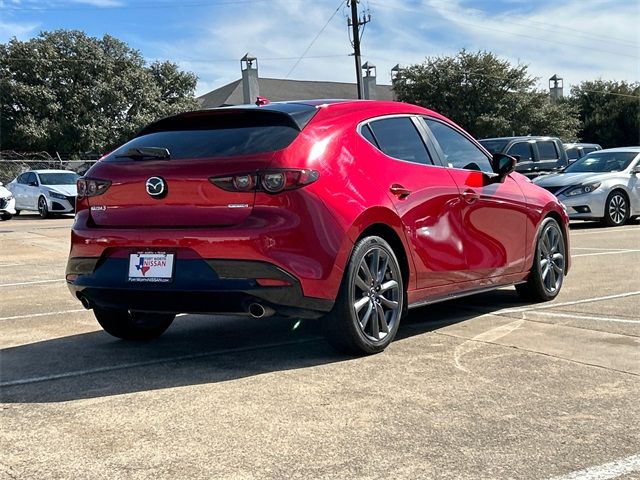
<point>355,23</point>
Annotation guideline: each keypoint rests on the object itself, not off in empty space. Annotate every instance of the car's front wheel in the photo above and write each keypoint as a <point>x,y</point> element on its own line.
<point>43,208</point>
<point>6,216</point>
<point>549,263</point>
<point>132,325</point>
<point>616,209</point>
<point>367,313</point>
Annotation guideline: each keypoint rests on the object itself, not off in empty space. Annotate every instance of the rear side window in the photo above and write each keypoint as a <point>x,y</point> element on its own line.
<point>523,149</point>
<point>547,150</point>
<point>586,150</point>
<point>366,133</point>
<point>398,138</point>
<point>23,178</point>
<point>573,153</point>
<point>459,151</point>
<point>31,178</point>
<point>222,135</point>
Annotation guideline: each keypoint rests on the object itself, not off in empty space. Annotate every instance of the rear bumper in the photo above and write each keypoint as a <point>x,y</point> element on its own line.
<point>198,286</point>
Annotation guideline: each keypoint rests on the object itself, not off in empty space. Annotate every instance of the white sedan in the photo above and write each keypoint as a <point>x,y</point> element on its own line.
<point>45,191</point>
<point>601,185</point>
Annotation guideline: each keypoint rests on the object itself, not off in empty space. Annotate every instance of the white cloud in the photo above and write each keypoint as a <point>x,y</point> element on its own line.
<point>576,39</point>
<point>20,30</point>
<point>100,3</point>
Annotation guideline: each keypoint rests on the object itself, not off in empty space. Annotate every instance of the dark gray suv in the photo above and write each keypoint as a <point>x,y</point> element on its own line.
<point>535,155</point>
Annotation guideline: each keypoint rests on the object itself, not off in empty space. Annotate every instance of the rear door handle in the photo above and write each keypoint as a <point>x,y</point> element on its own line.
<point>399,191</point>
<point>470,196</point>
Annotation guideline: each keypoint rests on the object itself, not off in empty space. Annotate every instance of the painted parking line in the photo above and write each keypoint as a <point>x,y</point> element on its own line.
<point>615,469</point>
<point>579,317</point>
<point>563,304</point>
<point>45,314</point>
<point>157,361</point>
<point>617,252</point>
<point>31,283</point>
<point>605,230</point>
<point>600,249</point>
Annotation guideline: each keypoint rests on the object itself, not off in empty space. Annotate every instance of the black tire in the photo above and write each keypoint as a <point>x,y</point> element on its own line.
<point>616,209</point>
<point>17,212</point>
<point>359,317</point>
<point>133,325</point>
<point>43,208</point>
<point>6,216</point>
<point>543,285</point>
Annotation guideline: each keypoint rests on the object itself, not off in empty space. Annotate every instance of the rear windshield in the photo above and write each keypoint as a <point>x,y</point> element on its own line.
<point>215,136</point>
<point>494,146</point>
<point>58,178</point>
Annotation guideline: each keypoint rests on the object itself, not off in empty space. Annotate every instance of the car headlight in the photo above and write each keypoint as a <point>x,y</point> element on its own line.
<point>582,189</point>
<point>57,195</point>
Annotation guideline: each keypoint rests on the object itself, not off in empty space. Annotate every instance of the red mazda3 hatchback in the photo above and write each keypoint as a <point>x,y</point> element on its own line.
<point>354,211</point>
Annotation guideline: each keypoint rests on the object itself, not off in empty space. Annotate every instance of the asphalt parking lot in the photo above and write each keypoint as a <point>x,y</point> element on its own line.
<point>484,387</point>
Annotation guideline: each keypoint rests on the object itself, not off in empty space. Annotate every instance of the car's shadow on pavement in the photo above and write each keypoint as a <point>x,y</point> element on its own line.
<point>195,350</point>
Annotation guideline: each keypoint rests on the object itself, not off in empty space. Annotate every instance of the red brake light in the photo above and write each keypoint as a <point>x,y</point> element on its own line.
<point>270,181</point>
<point>91,187</point>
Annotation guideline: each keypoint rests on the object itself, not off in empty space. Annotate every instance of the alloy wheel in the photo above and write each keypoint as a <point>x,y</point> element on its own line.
<point>551,255</point>
<point>617,209</point>
<point>42,207</point>
<point>376,295</point>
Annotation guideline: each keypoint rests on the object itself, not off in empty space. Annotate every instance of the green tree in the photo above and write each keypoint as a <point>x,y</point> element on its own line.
<point>64,91</point>
<point>609,112</point>
<point>487,96</point>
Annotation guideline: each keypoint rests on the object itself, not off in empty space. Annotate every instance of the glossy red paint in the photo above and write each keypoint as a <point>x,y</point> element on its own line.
<point>458,230</point>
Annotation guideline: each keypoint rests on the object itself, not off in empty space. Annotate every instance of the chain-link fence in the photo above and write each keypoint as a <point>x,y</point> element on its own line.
<point>13,164</point>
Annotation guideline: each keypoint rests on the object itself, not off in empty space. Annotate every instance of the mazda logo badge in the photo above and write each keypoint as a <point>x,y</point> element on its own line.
<point>156,187</point>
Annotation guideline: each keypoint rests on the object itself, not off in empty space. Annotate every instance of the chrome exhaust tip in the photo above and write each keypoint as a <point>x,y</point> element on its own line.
<point>85,302</point>
<point>258,311</point>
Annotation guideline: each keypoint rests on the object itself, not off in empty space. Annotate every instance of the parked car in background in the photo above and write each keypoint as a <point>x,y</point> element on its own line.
<point>45,191</point>
<point>355,211</point>
<point>535,155</point>
<point>602,185</point>
<point>7,203</point>
<point>579,150</point>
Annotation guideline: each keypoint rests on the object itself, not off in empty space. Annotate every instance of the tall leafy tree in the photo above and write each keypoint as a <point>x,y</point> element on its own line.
<point>609,111</point>
<point>487,96</point>
<point>64,91</point>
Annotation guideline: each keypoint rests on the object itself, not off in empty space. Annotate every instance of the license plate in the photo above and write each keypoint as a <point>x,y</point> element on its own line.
<point>151,267</point>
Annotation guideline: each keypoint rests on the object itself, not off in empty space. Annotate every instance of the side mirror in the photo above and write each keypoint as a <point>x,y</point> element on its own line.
<point>503,165</point>
<point>33,184</point>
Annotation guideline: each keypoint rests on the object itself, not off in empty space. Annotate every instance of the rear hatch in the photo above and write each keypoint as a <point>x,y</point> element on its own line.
<point>182,153</point>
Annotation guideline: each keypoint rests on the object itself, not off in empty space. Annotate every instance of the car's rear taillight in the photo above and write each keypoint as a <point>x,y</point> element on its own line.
<point>270,181</point>
<point>91,187</point>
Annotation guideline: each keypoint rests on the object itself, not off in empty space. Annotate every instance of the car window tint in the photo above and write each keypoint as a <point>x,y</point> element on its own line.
<point>573,153</point>
<point>399,138</point>
<point>22,178</point>
<point>366,133</point>
<point>547,150</point>
<point>523,149</point>
<point>32,178</point>
<point>586,150</point>
<point>458,150</point>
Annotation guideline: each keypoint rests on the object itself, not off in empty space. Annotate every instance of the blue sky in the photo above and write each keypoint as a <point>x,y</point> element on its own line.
<point>576,39</point>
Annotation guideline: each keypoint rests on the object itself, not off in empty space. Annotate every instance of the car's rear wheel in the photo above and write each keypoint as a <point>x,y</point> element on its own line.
<point>131,325</point>
<point>547,273</point>
<point>43,208</point>
<point>616,209</point>
<point>367,313</point>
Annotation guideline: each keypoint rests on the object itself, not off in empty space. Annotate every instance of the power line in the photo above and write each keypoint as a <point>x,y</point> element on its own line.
<point>324,27</point>
<point>186,60</point>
